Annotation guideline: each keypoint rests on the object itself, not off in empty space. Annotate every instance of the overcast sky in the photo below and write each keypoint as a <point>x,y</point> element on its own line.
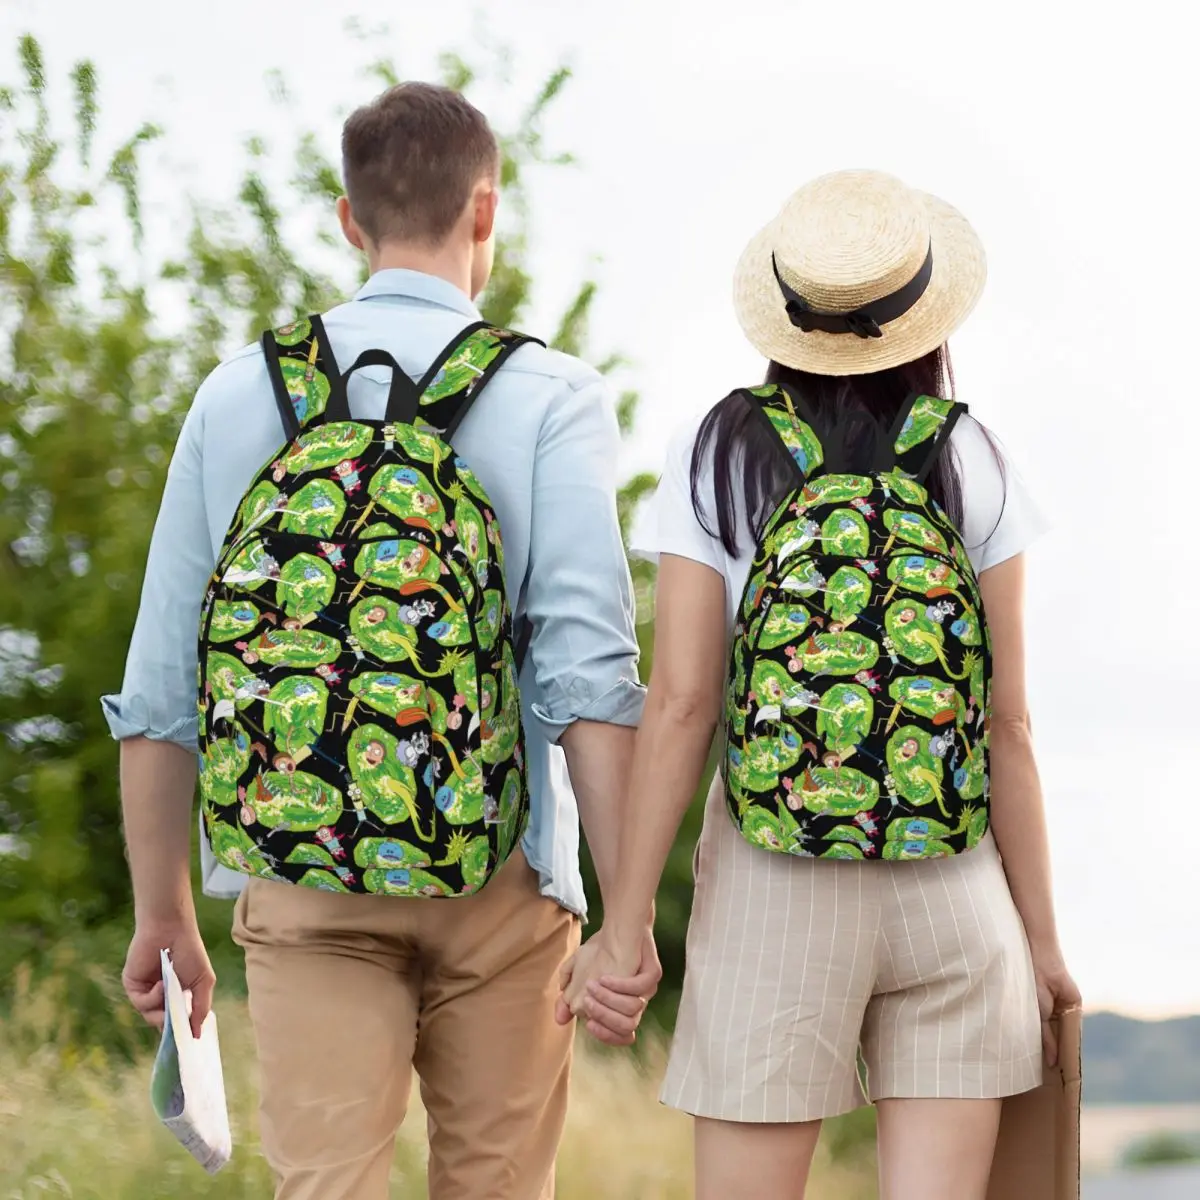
<point>1064,134</point>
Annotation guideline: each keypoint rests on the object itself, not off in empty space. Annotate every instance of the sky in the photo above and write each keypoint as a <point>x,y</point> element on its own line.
<point>1061,129</point>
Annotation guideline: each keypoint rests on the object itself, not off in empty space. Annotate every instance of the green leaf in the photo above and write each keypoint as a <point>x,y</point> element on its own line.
<point>30,52</point>
<point>123,171</point>
<point>630,495</point>
<point>455,71</point>
<point>385,71</point>
<point>315,176</point>
<point>84,79</point>
<point>614,362</point>
<point>277,88</point>
<point>551,89</point>
<point>627,411</point>
<point>572,328</point>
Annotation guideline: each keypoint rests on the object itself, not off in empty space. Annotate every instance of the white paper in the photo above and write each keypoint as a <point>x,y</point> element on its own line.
<point>187,1087</point>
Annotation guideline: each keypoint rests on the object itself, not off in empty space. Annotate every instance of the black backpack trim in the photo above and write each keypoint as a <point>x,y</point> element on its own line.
<point>918,461</point>
<point>406,397</point>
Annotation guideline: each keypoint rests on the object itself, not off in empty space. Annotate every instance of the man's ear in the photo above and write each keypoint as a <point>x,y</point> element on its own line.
<point>487,197</point>
<point>350,227</point>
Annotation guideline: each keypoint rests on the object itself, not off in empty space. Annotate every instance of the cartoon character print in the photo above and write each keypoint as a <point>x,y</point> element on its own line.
<point>306,387</point>
<point>348,741</point>
<point>346,473</point>
<point>333,554</point>
<point>856,723</point>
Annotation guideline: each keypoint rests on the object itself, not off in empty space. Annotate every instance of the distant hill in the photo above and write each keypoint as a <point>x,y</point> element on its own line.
<point>1141,1062</point>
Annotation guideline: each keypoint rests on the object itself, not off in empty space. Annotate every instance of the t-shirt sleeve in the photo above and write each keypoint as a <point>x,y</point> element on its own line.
<point>1001,519</point>
<point>668,523</point>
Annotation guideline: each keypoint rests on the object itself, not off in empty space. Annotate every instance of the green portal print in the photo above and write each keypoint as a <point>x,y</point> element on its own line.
<point>845,534</point>
<point>315,509</point>
<point>309,391</point>
<point>856,710</point>
<point>848,593</point>
<point>360,722</point>
<point>799,439</point>
<point>464,368</point>
<point>924,421</point>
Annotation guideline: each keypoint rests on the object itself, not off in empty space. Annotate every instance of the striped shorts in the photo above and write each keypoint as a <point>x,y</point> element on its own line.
<point>800,972</point>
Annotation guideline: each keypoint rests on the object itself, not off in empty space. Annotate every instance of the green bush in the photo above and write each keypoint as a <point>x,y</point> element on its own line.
<point>1162,1149</point>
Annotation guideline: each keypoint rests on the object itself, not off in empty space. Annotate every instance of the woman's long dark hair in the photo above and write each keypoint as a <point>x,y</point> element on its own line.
<point>751,470</point>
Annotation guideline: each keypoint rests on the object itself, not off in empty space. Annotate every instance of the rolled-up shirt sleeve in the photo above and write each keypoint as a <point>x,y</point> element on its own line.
<point>158,695</point>
<point>579,595</point>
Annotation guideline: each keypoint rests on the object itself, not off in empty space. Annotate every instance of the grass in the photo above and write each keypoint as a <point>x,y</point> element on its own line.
<point>75,1122</point>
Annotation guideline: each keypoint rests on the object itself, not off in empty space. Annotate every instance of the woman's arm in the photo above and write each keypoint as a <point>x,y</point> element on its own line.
<point>682,707</point>
<point>1017,813</point>
<point>1018,816</point>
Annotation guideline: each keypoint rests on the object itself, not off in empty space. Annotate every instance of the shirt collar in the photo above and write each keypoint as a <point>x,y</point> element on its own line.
<point>415,285</point>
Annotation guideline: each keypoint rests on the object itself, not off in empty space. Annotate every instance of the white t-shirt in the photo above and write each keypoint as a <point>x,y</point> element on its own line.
<point>1000,518</point>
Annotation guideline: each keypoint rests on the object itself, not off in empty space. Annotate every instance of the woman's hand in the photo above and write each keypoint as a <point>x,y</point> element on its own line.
<point>609,987</point>
<point>1056,992</point>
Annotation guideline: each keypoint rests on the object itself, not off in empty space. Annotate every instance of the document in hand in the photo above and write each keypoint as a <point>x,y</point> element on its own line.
<point>1037,1155</point>
<point>187,1087</point>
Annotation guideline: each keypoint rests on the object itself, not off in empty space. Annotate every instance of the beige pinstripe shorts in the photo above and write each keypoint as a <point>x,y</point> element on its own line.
<point>796,965</point>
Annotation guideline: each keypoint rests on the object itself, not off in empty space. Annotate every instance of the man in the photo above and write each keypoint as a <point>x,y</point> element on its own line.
<point>349,993</point>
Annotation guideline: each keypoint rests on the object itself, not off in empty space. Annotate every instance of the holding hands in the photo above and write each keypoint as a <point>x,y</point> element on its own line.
<point>607,984</point>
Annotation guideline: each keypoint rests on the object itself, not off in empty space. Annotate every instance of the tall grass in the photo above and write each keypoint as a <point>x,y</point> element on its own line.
<point>75,1122</point>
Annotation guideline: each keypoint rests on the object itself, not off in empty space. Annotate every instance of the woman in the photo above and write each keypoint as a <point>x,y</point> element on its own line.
<point>866,882</point>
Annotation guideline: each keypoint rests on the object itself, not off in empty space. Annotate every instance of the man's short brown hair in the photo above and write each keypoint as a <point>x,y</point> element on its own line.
<point>410,160</point>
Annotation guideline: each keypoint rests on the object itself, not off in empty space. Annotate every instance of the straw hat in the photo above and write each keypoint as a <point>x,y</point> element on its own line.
<point>859,272</point>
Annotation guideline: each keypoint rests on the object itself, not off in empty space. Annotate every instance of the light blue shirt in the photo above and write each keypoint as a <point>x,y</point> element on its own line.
<point>542,439</point>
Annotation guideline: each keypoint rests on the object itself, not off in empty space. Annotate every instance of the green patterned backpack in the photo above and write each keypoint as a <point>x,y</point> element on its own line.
<point>856,714</point>
<point>360,722</point>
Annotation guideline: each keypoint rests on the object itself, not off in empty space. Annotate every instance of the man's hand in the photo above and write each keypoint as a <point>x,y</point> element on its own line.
<point>142,976</point>
<point>608,989</point>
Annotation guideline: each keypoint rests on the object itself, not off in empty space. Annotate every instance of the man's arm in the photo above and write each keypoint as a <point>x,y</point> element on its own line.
<point>155,719</point>
<point>579,598</point>
<point>157,782</point>
<point>598,758</point>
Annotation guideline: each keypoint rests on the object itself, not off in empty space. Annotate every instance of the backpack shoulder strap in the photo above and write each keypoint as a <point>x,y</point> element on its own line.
<point>783,410</point>
<point>922,428</point>
<point>304,375</point>
<point>464,368</point>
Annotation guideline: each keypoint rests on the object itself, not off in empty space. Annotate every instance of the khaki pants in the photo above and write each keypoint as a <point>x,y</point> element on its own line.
<point>349,993</point>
